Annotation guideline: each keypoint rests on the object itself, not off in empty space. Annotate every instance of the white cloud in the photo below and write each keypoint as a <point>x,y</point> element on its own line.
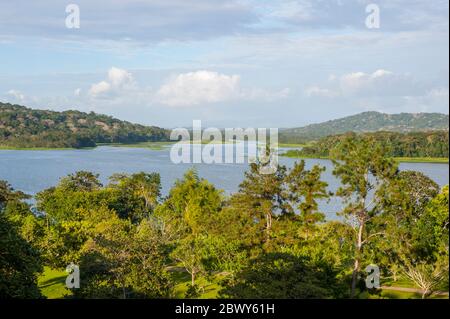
<point>199,87</point>
<point>119,77</point>
<point>293,10</point>
<point>17,95</point>
<point>320,92</point>
<point>432,100</point>
<point>204,87</point>
<point>438,93</point>
<point>117,80</point>
<point>376,83</point>
<point>99,88</point>
<point>264,95</point>
<point>360,84</point>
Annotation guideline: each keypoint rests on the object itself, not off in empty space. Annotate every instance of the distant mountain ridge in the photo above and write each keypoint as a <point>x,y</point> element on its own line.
<point>22,127</point>
<point>368,122</point>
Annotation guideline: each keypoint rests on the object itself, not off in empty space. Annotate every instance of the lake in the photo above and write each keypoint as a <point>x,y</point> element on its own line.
<point>33,171</point>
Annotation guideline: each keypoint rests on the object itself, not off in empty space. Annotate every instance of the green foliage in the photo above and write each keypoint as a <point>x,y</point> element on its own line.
<point>19,263</point>
<point>122,261</point>
<point>427,252</point>
<point>189,253</point>
<point>191,206</point>
<point>73,208</point>
<point>19,260</point>
<point>367,122</point>
<point>305,188</point>
<point>268,240</point>
<point>135,196</point>
<point>433,144</point>
<point>283,276</point>
<point>81,181</point>
<point>261,197</point>
<point>363,168</point>
<point>27,128</point>
<point>8,194</point>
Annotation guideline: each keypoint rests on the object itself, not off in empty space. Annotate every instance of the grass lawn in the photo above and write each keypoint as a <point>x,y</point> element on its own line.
<point>392,294</point>
<point>210,289</point>
<point>400,282</point>
<point>52,283</point>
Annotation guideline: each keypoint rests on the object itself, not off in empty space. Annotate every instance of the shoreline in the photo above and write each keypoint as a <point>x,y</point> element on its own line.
<point>435,160</point>
<point>163,144</point>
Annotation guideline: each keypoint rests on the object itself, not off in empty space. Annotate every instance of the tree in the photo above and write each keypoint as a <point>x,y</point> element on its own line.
<point>283,276</point>
<point>135,196</point>
<point>19,264</point>
<point>427,277</point>
<point>190,208</point>
<point>187,215</point>
<point>263,198</point>
<point>80,181</point>
<point>410,238</point>
<point>407,194</point>
<point>122,260</point>
<point>9,195</point>
<point>404,199</point>
<point>362,167</point>
<point>306,188</point>
<point>19,260</point>
<point>189,252</point>
<point>425,257</point>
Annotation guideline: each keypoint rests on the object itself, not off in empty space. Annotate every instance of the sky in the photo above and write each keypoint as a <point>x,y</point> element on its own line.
<point>228,63</point>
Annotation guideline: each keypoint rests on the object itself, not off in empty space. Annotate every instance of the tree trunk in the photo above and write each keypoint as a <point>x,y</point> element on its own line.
<point>356,266</point>
<point>193,278</point>
<point>268,225</point>
<point>355,277</point>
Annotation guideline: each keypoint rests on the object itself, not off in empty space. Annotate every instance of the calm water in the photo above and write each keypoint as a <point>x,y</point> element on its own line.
<point>32,171</point>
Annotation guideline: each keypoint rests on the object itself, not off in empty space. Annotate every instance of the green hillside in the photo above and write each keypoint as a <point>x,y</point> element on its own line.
<point>22,127</point>
<point>367,122</point>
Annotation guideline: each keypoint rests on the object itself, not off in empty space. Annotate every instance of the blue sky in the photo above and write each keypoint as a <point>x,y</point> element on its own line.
<point>228,63</point>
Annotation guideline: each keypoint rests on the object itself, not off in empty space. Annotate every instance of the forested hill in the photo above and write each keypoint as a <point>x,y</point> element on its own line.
<point>27,128</point>
<point>429,144</point>
<point>368,122</point>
